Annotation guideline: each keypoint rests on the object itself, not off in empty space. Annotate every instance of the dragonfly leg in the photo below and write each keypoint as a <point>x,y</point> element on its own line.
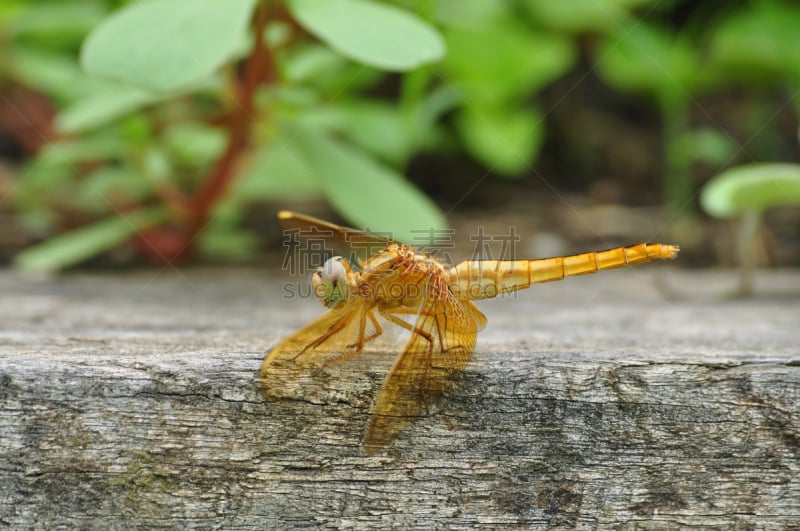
<point>359,345</point>
<point>405,310</point>
<point>330,332</point>
<point>389,315</point>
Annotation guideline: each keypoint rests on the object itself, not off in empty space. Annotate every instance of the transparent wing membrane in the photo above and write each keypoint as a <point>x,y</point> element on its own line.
<point>441,343</point>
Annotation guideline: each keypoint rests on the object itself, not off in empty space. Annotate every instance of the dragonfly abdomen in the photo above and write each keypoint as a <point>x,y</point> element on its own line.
<point>483,279</point>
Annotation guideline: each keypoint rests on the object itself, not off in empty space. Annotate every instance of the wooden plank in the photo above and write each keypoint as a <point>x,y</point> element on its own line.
<point>130,400</point>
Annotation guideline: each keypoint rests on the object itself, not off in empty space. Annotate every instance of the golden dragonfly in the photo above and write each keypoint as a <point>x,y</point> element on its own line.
<point>415,291</point>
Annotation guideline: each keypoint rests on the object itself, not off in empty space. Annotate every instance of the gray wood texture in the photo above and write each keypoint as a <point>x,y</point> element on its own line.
<point>130,400</point>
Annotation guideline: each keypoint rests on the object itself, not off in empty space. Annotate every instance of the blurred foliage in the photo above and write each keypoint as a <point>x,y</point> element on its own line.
<point>746,192</point>
<point>751,188</point>
<point>171,118</point>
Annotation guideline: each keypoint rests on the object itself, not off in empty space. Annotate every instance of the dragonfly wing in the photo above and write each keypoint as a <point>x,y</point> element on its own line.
<point>347,242</point>
<point>440,346</point>
<point>476,314</point>
<point>322,341</point>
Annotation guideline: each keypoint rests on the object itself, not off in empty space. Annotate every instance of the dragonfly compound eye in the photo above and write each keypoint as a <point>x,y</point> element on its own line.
<point>330,281</point>
<point>333,270</point>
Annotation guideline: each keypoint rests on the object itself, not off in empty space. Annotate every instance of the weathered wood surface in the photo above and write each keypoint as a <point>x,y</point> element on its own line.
<point>130,401</point>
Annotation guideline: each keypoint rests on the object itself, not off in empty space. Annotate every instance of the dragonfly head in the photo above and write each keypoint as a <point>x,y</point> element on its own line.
<point>330,281</point>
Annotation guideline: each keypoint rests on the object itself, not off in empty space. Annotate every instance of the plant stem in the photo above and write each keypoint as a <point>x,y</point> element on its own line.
<point>745,247</point>
<point>259,69</point>
<point>678,176</point>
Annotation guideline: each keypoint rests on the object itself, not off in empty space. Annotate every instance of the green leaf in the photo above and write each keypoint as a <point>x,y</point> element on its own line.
<point>165,44</point>
<point>583,15</point>
<point>64,20</point>
<point>364,191</point>
<point>705,145</point>
<point>74,247</point>
<point>56,74</point>
<point>372,33</point>
<point>275,172</point>
<point>505,140</point>
<point>646,58</point>
<point>194,143</point>
<point>377,127</point>
<point>469,13</point>
<point>492,64</point>
<point>103,106</point>
<point>72,151</point>
<point>315,65</point>
<point>760,42</point>
<point>89,102</point>
<point>306,63</point>
<point>751,188</point>
<point>100,190</point>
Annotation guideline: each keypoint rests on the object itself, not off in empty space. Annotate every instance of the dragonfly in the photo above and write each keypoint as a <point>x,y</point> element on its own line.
<point>400,286</point>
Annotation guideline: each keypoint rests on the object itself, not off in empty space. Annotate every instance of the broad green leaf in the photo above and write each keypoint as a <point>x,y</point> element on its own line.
<point>372,33</point>
<point>193,143</point>
<point>165,44</point>
<point>313,65</point>
<point>309,62</point>
<point>72,151</point>
<point>273,173</point>
<point>76,246</point>
<point>103,106</point>
<point>759,42</point>
<point>320,117</point>
<point>135,130</point>
<point>705,145</point>
<point>279,34</point>
<point>751,188</point>
<point>506,141</point>
<point>378,128</point>
<point>435,104</point>
<point>64,21</point>
<point>56,74</point>
<point>469,13</point>
<point>365,191</point>
<point>646,58</point>
<point>10,9</point>
<point>108,185</point>
<point>157,168</point>
<point>56,175</point>
<point>491,64</point>
<point>289,98</point>
<point>582,15</point>
<point>40,186</point>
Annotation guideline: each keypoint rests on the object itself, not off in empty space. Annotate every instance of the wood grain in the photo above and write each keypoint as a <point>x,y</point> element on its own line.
<point>130,400</point>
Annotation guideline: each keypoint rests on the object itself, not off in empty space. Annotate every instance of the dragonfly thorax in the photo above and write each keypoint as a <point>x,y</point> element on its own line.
<point>398,276</point>
<point>330,282</point>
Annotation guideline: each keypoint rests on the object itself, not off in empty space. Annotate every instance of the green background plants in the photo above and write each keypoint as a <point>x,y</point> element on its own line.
<point>170,120</point>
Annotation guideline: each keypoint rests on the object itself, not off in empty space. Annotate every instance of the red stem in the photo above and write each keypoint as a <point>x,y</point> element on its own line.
<point>259,68</point>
